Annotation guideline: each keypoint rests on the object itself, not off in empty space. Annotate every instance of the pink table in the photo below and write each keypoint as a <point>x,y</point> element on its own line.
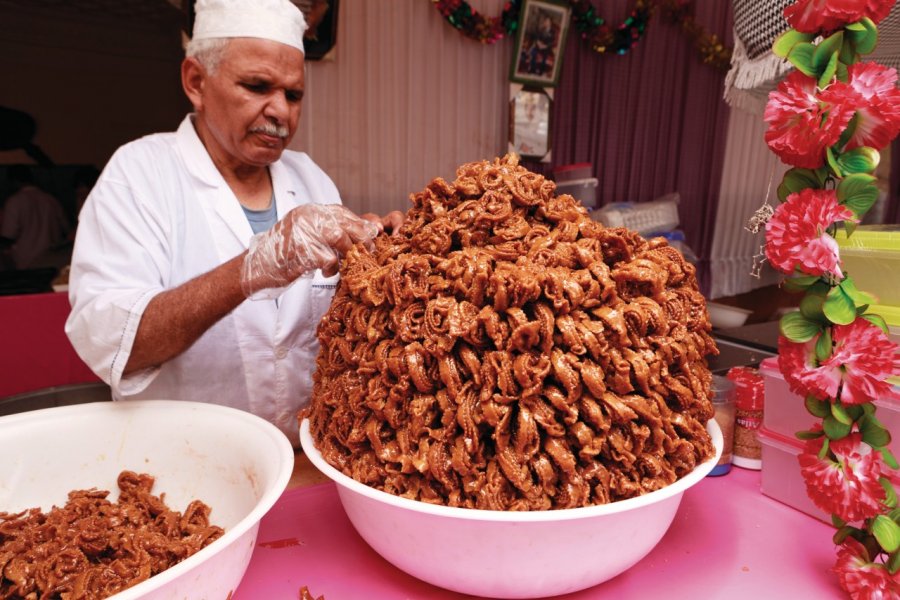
<point>727,541</point>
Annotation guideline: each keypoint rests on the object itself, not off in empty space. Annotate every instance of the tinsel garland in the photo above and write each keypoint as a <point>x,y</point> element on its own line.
<point>473,24</point>
<point>601,36</point>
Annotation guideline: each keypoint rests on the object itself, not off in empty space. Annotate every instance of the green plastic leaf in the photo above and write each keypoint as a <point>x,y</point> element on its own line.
<point>864,41</point>
<point>811,306</point>
<point>893,563</point>
<point>832,163</point>
<point>840,414</point>
<point>849,131</point>
<point>894,515</point>
<point>801,56</point>
<point>837,521</point>
<point>855,27</point>
<point>785,42</point>
<point>859,298</point>
<point>817,408</point>
<point>842,73</point>
<point>886,532</point>
<point>890,495</point>
<point>834,429</point>
<point>858,192</point>
<point>839,307</point>
<point>800,283</point>
<point>829,72</point>
<point>889,458</point>
<point>850,227</point>
<point>824,347</point>
<point>826,445</point>
<point>797,179</point>
<point>848,55</point>
<point>859,160</point>
<point>827,48</point>
<point>873,432</point>
<point>797,328</point>
<point>808,435</point>
<point>877,320</point>
<point>841,534</point>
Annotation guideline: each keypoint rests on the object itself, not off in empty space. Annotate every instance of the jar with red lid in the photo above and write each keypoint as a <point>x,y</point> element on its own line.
<point>748,400</point>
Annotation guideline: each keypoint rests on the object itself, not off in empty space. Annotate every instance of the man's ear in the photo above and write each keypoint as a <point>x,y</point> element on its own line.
<point>193,78</point>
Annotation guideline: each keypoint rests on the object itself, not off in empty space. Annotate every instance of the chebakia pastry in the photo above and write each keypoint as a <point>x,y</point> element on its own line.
<point>506,352</point>
<point>92,548</point>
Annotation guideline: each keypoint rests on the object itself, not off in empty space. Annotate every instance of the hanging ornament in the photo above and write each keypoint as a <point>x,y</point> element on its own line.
<point>473,24</point>
<point>604,38</point>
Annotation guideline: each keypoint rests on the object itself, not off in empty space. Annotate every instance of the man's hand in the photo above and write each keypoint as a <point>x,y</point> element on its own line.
<point>309,237</point>
<point>390,222</point>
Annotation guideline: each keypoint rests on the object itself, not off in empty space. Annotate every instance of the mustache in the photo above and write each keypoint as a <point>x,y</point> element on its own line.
<point>271,129</point>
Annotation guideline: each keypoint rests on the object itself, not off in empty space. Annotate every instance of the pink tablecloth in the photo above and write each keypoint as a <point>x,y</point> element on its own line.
<point>727,541</point>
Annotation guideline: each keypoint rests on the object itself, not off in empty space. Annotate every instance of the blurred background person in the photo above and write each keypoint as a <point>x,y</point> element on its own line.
<point>34,232</point>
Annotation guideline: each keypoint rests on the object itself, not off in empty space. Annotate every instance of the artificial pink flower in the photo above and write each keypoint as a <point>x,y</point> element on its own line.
<point>803,122</point>
<point>796,237</point>
<point>848,486</point>
<point>879,112</point>
<point>814,16</point>
<point>862,359</point>
<point>860,577</point>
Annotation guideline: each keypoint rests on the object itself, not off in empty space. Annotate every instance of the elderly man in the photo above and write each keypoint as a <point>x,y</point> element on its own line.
<point>181,228</point>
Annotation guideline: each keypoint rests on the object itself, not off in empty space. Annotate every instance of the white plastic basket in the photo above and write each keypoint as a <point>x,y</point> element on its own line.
<point>645,217</point>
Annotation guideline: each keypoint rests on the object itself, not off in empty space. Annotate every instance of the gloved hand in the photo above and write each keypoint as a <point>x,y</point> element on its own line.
<point>309,237</point>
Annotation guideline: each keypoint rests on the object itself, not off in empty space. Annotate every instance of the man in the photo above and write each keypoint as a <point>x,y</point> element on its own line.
<point>34,228</point>
<point>162,271</point>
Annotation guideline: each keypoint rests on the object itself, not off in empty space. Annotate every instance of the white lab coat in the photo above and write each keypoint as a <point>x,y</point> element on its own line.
<point>161,214</point>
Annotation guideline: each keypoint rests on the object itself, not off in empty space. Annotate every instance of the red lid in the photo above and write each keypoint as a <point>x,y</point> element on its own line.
<point>572,167</point>
<point>749,388</point>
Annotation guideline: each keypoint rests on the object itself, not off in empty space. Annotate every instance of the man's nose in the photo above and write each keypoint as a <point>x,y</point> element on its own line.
<point>277,108</point>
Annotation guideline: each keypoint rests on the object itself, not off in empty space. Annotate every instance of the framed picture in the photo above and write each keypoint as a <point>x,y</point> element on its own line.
<point>537,55</point>
<point>322,19</point>
<point>529,122</point>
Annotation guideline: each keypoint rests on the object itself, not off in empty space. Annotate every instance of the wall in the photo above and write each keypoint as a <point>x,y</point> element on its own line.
<point>91,84</point>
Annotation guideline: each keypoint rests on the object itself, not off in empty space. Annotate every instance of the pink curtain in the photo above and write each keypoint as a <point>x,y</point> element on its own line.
<point>652,121</point>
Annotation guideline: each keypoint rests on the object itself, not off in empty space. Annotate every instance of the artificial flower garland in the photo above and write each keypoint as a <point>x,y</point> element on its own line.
<point>828,120</point>
<point>602,37</point>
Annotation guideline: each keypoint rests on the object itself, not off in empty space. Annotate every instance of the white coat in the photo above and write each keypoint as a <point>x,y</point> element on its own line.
<point>159,215</point>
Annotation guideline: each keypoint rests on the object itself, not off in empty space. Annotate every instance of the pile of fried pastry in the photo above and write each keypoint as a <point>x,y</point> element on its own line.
<point>504,351</point>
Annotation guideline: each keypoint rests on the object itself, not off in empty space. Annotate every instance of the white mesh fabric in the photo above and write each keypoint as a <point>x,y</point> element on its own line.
<point>755,71</point>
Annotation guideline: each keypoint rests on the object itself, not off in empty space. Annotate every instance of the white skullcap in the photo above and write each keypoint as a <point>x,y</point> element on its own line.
<point>276,20</point>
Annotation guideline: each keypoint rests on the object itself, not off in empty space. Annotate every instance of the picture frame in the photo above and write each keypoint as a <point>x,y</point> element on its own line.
<point>530,118</point>
<point>540,41</point>
<point>321,34</point>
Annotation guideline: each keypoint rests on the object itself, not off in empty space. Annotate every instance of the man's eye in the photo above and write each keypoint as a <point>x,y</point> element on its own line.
<point>256,88</point>
<point>293,96</point>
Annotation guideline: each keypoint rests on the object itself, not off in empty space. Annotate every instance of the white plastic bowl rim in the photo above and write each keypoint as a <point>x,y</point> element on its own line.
<point>233,533</point>
<point>536,516</point>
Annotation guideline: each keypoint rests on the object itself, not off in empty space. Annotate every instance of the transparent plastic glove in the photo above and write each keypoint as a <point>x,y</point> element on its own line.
<point>309,237</point>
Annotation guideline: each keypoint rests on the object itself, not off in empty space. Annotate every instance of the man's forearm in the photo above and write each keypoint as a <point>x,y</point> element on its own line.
<point>176,318</point>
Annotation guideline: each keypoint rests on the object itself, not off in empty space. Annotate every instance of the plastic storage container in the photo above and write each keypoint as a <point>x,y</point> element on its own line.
<point>781,478</point>
<point>872,257</point>
<point>785,413</point>
<point>583,190</point>
<point>643,217</point>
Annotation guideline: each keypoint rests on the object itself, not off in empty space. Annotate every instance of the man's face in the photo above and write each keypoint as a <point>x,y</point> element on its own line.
<point>249,106</point>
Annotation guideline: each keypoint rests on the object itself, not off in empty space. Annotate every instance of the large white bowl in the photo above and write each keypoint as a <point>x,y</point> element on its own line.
<point>233,461</point>
<point>510,554</point>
